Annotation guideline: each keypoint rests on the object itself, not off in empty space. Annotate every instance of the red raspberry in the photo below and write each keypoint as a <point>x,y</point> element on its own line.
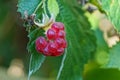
<point>57,26</point>
<point>65,44</point>
<point>46,51</point>
<point>61,34</point>
<point>52,47</point>
<point>51,34</point>
<point>40,44</point>
<point>60,43</point>
<point>59,52</point>
<point>56,41</point>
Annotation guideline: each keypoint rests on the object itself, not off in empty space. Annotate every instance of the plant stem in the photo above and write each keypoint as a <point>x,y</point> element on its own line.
<point>43,5</point>
<point>62,64</point>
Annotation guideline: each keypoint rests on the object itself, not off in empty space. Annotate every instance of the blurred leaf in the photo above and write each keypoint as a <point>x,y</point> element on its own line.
<point>114,60</point>
<point>4,11</point>
<point>112,10</point>
<point>97,3</point>
<point>27,5</point>
<point>102,74</point>
<point>81,42</point>
<point>53,7</point>
<point>104,56</point>
<point>102,51</point>
<point>36,59</point>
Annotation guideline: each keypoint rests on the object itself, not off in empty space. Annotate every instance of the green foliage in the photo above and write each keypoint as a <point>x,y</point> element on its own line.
<point>97,4</point>
<point>80,46</point>
<point>114,61</point>
<point>36,59</point>
<point>53,7</point>
<point>102,51</point>
<point>103,74</point>
<point>112,10</point>
<point>80,38</point>
<point>27,5</point>
<point>106,57</point>
<point>3,12</point>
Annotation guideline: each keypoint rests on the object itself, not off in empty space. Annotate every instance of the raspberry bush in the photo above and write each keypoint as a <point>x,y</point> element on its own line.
<point>61,29</point>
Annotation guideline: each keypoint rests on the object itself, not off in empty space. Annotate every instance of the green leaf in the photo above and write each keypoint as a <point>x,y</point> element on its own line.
<point>81,42</point>
<point>114,59</point>
<point>36,61</point>
<point>102,51</point>
<point>104,56</point>
<point>53,7</point>
<point>27,5</point>
<point>112,9</point>
<point>36,58</point>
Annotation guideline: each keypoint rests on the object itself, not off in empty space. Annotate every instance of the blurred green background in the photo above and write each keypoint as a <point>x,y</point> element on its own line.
<point>14,58</point>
